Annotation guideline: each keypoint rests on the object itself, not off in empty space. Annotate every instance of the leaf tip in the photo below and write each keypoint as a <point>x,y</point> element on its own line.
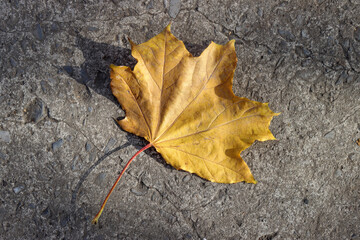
<point>232,42</point>
<point>250,179</point>
<point>112,66</point>
<point>168,27</point>
<point>132,44</point>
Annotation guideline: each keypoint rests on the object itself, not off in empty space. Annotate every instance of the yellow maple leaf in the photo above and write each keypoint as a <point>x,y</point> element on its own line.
<point>185,107</point>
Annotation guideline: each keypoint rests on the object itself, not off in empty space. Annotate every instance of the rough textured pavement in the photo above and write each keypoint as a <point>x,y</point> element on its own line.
<point>60,149</point>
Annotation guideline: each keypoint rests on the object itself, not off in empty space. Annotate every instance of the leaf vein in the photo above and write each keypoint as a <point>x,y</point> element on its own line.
<point>152,77</point>
<point>197,95</point>
<point>191,134</point>
<point>138,105</point>
<point>204,159</point>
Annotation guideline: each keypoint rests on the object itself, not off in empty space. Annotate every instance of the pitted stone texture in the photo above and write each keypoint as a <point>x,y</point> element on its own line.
<point>61,150</point>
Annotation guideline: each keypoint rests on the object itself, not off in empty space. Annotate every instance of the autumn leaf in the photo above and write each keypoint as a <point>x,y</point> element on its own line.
<point>185,107</point>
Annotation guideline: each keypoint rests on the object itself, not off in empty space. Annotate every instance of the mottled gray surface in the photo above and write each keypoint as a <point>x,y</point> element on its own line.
<point>60,149</point>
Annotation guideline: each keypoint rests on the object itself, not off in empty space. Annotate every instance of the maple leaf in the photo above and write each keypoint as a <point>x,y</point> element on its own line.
<point>185,107</point>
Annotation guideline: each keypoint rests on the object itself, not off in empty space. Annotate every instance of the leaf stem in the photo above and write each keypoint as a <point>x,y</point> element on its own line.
<point>96,218</point>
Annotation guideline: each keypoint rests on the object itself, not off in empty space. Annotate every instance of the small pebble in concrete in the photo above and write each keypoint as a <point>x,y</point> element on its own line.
<point>304,33</point>
<point>45,87</point>
<point>55,27</point>
<point>305,201</point>
<point>342,78</point>
<point>186,178</point>
<point>45,212</point>
<point>56,145</point>
<point>150,5</point>
<point>283,46</point>
<point>139,190</point>
<point>74,162</point>
<point>330,134</point>
<point>69,70</point>
<point>5,136</point>
<point>349,79</point>
<point>306,62</point>
<point>88,146</point>
<point>51,80</point>
<point>109,145</point>
<point>188,236</point>
<point>100,179</point>
<point>352,156</point>
<point>18,189</point>
<point>287,35</point>
<point>174,8</point>
<point>13,62</point>
<point>24,45</point>
<point>3,157</point>
<point>38,32</point>
<point>156,197</point>
<point>92,29</point>
<point>92,157</point>
<point>338,173</point>
<point>34,111</point>
<point>302,52</point>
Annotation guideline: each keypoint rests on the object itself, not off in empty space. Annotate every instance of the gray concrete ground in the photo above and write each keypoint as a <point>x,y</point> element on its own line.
<point>60,149</point>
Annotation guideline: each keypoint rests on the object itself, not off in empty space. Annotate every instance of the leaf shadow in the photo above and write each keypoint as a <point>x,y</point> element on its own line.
<point>94,72</point>
<point>132,140</point>
<point>90,169</point>
<point>196,49</point>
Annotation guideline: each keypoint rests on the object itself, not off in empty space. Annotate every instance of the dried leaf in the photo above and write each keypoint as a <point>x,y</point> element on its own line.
<point>185,107</point>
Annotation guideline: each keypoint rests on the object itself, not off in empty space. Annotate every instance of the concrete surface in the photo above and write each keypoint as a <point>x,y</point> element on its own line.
<point>60,149</point>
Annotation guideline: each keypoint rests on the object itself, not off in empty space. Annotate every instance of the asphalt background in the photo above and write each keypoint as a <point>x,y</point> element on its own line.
<point>60,149</point>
